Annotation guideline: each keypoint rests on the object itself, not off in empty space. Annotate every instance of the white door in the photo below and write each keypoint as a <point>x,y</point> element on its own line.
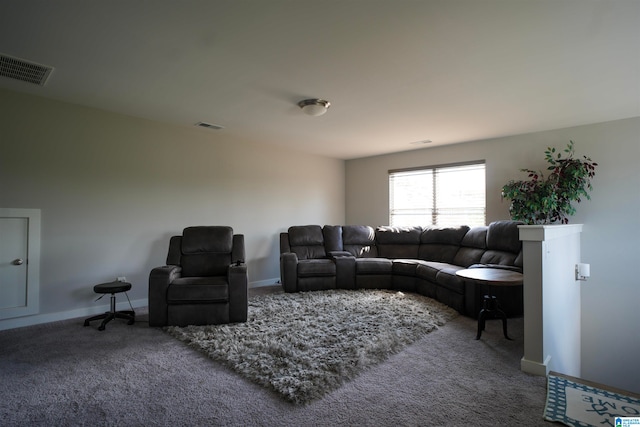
<point>13,262</point>
<point>19,262</point>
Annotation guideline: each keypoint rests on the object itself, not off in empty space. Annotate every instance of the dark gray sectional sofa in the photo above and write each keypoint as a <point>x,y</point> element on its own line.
<point>415,259</point>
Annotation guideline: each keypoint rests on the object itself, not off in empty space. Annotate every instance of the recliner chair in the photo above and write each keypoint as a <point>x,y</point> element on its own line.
<point>204,281</point>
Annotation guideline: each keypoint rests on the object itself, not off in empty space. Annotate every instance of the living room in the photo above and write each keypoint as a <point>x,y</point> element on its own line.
<point>113,185</point>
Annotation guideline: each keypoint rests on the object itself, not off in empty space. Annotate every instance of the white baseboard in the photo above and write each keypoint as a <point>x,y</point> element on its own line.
<point>268,282</point>
<point>19,322</point>
<point>535,368</point>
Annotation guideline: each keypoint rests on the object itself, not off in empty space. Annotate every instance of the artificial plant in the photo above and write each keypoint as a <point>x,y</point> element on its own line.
<point>547,200</point>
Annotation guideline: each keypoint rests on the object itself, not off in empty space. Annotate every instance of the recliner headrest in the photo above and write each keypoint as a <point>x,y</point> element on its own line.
<point>207,239</point>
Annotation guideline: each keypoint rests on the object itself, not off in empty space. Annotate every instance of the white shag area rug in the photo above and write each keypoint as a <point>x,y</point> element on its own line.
<point>304,345</point>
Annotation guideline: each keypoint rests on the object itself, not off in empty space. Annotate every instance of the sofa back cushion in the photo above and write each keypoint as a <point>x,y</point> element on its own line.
<point>332,238</point>
<point>441,244</point>
<point>498,257</point>
<point>175,250</point>
<point>206,250</point>
<point>504,236</point>
<point>472,247</point>
<point>503,243</point>
<point>359,240</point>
<point>398,242</point>
<point>307,241</point>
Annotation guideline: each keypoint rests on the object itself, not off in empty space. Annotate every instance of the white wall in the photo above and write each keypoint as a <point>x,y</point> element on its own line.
<point>113,189</point>
<point>610,339</point>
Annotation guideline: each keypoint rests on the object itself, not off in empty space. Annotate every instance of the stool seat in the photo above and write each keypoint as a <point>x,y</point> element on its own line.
<point>113,288</point>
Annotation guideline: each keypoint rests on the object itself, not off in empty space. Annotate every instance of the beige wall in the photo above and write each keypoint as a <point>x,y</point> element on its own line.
<point>610,318</point>
<point>113,189</point>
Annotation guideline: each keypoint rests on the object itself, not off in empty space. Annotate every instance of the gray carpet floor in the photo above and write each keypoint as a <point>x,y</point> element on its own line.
<point>64,374</point>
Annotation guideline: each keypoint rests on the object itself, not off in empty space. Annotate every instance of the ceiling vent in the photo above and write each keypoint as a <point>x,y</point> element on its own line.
<point>209,126</point>
<point>25,71</point>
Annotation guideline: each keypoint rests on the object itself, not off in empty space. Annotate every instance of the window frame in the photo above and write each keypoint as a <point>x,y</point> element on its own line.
<point>434,196</point>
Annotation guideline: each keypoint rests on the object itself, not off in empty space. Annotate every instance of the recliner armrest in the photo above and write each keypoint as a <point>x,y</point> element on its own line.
<point>159,280</point>
<point>238,297</point>
<point>288,271</point>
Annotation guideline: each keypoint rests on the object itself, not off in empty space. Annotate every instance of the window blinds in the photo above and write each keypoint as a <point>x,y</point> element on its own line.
<point>441,195</point>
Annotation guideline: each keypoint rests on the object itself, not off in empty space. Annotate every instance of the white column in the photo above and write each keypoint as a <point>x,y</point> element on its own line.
<point>551,299</point>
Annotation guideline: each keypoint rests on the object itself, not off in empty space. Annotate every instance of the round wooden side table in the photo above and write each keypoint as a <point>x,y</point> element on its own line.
<point>490,306</point>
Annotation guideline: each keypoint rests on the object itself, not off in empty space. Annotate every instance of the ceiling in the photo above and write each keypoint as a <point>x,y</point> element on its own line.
<point>397,72</point>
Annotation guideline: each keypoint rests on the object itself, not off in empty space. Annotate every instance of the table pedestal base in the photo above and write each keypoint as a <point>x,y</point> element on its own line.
<point>491,307</point>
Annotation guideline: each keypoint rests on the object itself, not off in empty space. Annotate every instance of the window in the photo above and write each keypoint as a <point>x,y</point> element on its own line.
<point>439,195</point>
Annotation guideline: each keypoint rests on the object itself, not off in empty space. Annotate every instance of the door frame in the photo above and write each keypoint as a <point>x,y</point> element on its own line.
<point>33,262</point>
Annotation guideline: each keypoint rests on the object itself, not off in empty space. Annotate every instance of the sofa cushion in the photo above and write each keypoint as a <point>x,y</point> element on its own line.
<point>398,242</point>
<point>316,283</point>
<point>332,238</point>
<point>207,239</point>
<point>204,281</point>
<point>316,267</point>
<point>472,247</point>
<point>205,264</point>
<point>405,267</point>
<point>373,266</point>
<point>359,240</point>
<point>428,270</point>
<point>498,257</point>
<point>468,256</point>
<point>503,243</point>
<point>476,237</point>
<point>307,241</point>
<point>519,260</point>
<point>438,252</point>
<point>175,250</point>
<point>206,250</point>
<point>441,244</point>
<point>198,290</point>
<point>387,235</point>
<point>444,235</point>
<point>448,279</point>
<point>504,236</point>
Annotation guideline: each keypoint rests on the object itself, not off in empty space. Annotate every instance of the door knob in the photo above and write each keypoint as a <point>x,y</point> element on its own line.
<point>18,261</point>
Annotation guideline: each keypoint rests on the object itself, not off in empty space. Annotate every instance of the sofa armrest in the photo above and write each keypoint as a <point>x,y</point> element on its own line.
<point>345,271</point>
<point>237,250</point>
<point>159,280</point>
<point>238,284</point>
<point>289,271</point>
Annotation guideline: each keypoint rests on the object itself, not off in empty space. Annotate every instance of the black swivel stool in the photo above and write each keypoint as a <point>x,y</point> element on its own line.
<point>113,288</point>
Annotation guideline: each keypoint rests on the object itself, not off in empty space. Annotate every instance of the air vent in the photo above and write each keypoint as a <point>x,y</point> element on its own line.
<point>209,126</point>
<point>25,71</point>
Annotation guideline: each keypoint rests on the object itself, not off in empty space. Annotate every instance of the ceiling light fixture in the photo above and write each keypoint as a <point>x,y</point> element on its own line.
<point>314,107</point>
<point>209,126</point>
